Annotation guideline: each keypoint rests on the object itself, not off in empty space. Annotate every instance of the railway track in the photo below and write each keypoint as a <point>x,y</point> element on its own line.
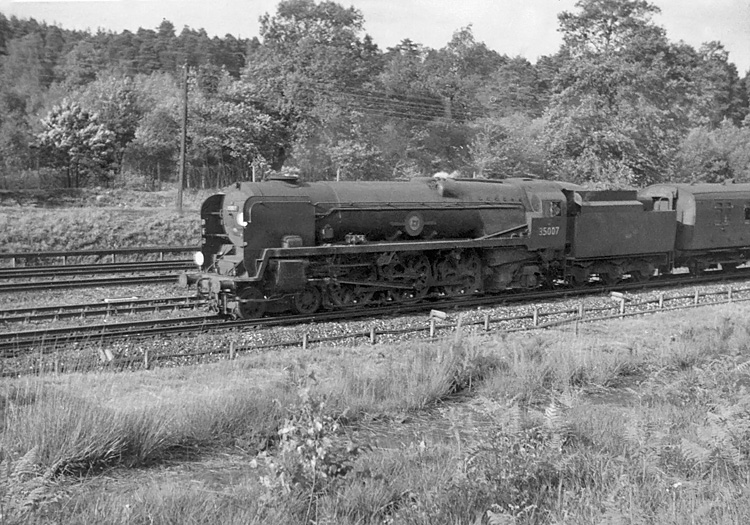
<point>27,286</point>
<point>13,344</point>
<point>102,308</point>
<point>28,272</point>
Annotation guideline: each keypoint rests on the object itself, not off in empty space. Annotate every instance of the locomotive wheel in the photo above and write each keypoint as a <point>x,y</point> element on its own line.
<point>252,303</point>
<point>414,271</point>
<point>353,295</point>
<point>464,276</point>
<point>347,295</point>
<point>308,301</point>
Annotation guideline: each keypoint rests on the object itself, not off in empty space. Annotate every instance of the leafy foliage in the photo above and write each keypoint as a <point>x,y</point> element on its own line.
<point>74,139</point>
<point>715,155</point>
<point>26,488</point>
<point>309,458</point>
<point>618,105</point>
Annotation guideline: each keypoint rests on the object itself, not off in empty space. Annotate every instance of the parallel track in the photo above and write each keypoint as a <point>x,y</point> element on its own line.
<point>13,343</point>
<point>27,272</point>
<point>86,283</point>
<point>105,308</point>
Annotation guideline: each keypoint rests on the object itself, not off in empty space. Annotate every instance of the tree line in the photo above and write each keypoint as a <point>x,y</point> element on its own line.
<point>618,105</point>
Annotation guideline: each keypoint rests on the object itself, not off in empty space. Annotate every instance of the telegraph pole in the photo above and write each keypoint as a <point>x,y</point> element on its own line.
<point>183,137</point>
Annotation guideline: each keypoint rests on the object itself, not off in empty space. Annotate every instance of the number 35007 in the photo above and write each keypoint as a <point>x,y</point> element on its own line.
<point>545,231</point>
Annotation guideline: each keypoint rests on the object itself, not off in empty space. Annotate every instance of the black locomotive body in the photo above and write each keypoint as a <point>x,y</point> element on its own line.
<point>285,244</point>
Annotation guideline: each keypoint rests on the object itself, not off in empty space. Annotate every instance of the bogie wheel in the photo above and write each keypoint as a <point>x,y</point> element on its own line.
<point>308,301</point>
<point>252,303</point>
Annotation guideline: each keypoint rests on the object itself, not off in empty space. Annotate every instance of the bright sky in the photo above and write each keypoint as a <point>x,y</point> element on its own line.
<point>513,27</point>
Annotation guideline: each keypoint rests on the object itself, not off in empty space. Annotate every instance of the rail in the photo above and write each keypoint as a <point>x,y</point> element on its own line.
<point>436,323</point>
<point>107,253</point>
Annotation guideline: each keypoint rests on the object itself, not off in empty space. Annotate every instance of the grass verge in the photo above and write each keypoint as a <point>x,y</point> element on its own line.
<point>645,421</point>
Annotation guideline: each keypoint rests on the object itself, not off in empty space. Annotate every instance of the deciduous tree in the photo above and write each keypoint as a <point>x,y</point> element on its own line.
<point>75,140</point>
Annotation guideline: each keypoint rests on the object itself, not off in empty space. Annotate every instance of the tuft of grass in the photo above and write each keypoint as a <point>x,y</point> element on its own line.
<point>417,379</point>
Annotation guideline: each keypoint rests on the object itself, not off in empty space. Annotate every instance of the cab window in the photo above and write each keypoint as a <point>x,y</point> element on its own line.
<point>552,209</point>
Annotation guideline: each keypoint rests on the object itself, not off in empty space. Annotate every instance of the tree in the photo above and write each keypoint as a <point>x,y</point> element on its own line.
<point>230,131</point>
<point>81,64</point>
<point>309,56</point>
<point>515,87</point>
<point>616,113</point>
<point>509,146</point>
<point>155,146</point>
<point>625,97</point>
<point>75,140</point>
<point>22,85</point>
<point>720,93</point>
<point>715,154</point>
<point>113,99</point>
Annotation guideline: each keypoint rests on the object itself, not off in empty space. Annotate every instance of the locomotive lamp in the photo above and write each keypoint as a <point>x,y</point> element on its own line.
<point>198,258</point>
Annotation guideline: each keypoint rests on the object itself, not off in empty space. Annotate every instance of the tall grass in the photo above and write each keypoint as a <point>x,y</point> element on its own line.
<point>633,425</point>
<point>31,229</point>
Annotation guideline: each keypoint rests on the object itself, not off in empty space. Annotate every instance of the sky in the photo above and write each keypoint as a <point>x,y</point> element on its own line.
<point>512,27</point>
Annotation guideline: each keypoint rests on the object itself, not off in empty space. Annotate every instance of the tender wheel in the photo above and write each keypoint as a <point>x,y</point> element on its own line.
<point>252,303</point>
<point>308,301</point>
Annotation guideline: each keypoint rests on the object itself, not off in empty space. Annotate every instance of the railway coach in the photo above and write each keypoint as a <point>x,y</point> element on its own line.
<point>712,223</point>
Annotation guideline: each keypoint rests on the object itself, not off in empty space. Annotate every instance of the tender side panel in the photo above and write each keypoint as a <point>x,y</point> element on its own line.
<point>615,229</point>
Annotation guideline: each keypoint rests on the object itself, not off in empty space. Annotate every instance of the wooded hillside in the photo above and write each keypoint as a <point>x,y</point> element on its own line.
<point>618,105</point>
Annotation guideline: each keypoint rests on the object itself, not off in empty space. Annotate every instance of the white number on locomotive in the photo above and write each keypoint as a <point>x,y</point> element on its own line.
<point>545,231</point>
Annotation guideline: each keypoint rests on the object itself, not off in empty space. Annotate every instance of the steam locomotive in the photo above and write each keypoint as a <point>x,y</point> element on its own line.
<point>285,244</point>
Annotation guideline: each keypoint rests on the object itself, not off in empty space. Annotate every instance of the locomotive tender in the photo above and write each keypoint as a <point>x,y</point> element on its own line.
<point>286,244</point>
